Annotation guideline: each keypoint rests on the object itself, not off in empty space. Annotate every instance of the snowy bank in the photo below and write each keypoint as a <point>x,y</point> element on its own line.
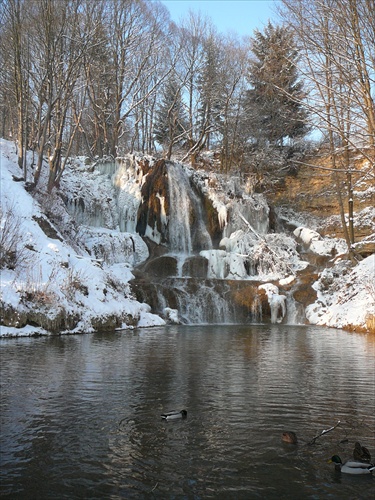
<point>346,297</point>
<point>51,285</point>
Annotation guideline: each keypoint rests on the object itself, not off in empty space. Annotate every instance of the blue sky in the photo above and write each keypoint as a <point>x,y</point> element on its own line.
<point>240,16</point>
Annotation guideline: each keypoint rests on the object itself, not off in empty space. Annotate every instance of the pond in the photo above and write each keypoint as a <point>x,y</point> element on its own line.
<point>80,415</point>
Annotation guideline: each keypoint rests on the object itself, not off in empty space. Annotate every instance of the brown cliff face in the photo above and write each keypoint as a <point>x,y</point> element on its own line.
<point>313,191</point>
<point>154,188</point>
<point>212,223</point>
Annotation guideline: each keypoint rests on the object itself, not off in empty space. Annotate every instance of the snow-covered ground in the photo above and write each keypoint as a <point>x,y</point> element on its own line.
<point>83,293</point>
<point>346,296</point>
<point>78,276</point>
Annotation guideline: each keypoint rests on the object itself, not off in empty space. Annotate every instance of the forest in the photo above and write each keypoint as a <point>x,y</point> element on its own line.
<point>110,77</point>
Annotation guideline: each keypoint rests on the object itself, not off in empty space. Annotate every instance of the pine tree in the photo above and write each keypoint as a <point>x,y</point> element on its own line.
<point>170,122</point>
<point>274,103</point>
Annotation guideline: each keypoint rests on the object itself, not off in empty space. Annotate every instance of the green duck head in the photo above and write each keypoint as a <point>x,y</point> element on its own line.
<point>335,459</point>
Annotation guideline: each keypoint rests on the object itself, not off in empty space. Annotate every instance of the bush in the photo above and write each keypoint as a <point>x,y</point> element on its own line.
<point>74,283</point>
<point>12,246</point>
<point>37,291</point>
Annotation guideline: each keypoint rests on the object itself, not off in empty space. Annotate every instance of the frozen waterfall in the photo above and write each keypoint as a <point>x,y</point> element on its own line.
<point>187,230</point>
<point>215,249</point>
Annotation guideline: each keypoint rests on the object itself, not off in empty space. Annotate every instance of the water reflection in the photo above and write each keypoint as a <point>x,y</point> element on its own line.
<point>80,415</point>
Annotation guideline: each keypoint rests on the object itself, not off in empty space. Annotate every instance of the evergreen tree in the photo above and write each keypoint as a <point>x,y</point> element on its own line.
<point>274,101</point>
<point>171,121</point>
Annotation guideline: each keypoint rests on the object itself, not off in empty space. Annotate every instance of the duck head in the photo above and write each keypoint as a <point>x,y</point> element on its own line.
<point>289,437</point>
<point>335,459</point>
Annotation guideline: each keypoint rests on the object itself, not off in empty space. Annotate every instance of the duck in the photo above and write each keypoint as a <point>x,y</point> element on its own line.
<point>289,437</point>
<point>173,415</point>
<point>361,453</point>
<point>351,466</point>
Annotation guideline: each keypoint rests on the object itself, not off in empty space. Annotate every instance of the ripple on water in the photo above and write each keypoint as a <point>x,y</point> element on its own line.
<point>81,415</point>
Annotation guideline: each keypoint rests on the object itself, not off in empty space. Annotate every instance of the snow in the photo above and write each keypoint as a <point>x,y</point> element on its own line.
<point>287,281</point>
<point>148,319</point>
<point>313,242</point>
<point>346,296</point>
<point>307,236</point>
<point>83,272</point>
<point>59,273</point>
<point>172,315</point>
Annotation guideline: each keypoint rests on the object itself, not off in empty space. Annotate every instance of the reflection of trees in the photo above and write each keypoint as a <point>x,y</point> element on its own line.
<point>90,405</point>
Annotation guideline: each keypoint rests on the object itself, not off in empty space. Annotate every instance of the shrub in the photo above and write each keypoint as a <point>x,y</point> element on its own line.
<point>12,246</point>
<point>35,290</point>
<point>74,283</point>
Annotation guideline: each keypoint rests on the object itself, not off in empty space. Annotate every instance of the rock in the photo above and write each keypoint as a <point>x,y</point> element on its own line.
<point>47,228</point>
<point>195,267</point>
<point>365,248</point>
<point>161,267</point>
<point>154,190</point>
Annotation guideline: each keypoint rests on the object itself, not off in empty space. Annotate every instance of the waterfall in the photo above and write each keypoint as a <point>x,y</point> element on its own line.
<point>108,197</point>
<point>199,301</point>
<point>186,228</point>
<point>179,218</point>
<point>204,306</point>
<point>256,310</point>
<point>127,180</point>
<point>295,311</point>
<point>199,278</point>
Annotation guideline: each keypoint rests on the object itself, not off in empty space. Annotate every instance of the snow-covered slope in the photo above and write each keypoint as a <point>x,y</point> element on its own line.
<point>46,276</point>
<point>346,296</point>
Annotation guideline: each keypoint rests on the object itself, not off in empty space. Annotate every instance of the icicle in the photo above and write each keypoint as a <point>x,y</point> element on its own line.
<point>256,310</point>
<point>277,302</point>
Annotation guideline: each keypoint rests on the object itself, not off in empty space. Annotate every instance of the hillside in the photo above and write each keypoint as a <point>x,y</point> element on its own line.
<point>312,191</point>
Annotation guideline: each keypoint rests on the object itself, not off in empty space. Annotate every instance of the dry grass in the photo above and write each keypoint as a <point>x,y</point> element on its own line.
<point>74,282</point>
<point>13,252</point>
<point>34,289</point>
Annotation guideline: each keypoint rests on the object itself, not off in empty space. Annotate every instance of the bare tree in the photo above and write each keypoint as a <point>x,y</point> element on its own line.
<point>13,42</point>
<point>337,43</point>
<point>232,86</point>
<point>193,32</point>
<point>97,124</point>
<point>136,39</point>
<point>160,65</point>
<point>58,44</point>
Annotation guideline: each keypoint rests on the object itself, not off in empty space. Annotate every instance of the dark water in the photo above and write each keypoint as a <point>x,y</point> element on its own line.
<point>80,414</point>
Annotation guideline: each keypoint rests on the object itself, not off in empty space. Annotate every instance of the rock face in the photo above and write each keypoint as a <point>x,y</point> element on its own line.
<point>154,207</point>
<point>204,276</point>
<point>316,195</point>
<point>200,301</point>
<point>56,319</point>
<point>173,211</point>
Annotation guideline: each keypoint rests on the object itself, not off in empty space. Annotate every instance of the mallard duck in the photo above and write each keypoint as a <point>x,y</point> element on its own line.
<point>351,467</point>
<point>173,415</point>
<point>361,453</point>
<point>289,437</point>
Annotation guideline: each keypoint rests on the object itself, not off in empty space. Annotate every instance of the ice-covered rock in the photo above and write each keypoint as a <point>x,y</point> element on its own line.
<point>172,315</point>
<point>277,302</point>
<point>313,242</point>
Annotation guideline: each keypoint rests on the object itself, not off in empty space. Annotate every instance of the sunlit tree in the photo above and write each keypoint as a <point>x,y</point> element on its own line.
<point>274,101</point>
